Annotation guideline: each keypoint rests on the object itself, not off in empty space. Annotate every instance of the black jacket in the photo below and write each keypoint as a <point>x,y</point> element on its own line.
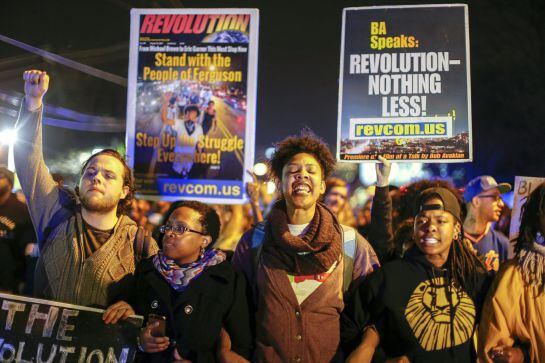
<point>379,232</point>
<point>412,306</point>
<point>194,317</point>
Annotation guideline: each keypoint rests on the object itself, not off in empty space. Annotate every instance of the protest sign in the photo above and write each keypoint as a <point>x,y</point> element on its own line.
<point>191,102</point>
<point>524,185</point>
<point>35,330</point>
<point>404,88</point>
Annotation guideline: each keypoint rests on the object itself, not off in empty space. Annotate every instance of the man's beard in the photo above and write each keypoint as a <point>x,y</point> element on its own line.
<point>102,206</point>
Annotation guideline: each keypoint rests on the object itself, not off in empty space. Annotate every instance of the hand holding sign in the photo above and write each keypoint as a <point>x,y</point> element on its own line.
<point>68,332</point>
<point>119,310</point>
<point>383,171</point>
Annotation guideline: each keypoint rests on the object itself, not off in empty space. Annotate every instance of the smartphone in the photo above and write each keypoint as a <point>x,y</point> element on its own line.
<point>158,331</point>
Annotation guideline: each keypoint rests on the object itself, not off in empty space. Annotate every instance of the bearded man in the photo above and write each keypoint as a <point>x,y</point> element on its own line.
<point>88,250</point>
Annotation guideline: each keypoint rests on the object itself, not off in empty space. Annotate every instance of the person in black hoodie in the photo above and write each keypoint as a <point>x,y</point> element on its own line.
<point>425,306</point>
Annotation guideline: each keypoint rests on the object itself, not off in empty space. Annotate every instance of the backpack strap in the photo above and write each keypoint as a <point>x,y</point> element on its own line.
<point>67,210</point>
<point>140,242</point>
<point>349,253</point>
<point>258,236</point>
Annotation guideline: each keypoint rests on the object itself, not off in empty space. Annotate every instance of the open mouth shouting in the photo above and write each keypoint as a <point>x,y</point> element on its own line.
<point>301,189</point>
<point>429,241</point>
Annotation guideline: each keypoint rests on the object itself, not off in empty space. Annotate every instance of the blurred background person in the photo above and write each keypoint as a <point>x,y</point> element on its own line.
<point>336,197</point>
<point>17,238</point>
<point>512,328</point>
<point>484,206</point>
<point>363,217</point>
<point>232,227</point>
<point>503,225</point>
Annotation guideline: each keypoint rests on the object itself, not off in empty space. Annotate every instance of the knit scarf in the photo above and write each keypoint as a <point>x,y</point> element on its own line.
<point>313,253</point>
<point>532,264</point>
<point>179,277</point>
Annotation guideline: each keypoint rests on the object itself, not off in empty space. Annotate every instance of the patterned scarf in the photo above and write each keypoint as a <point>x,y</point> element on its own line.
<point>532,264</point>
<point>313,253</point>
<point>178,276</point>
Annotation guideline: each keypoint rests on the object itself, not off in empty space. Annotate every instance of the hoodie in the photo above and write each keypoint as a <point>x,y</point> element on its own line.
<point>416,310</point>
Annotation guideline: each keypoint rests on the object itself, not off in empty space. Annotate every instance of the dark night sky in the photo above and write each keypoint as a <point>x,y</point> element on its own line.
<point>298,70</point>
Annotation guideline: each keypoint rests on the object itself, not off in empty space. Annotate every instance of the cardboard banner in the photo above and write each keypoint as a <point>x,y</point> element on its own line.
<point>405,84</point>
<point>35,330</point>
<point>524,186</point>
<point>191,102</point>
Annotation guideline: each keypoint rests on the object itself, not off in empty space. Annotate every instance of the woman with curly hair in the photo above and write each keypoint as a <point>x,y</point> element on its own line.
<point>298,268</point>
<point>512,327</point>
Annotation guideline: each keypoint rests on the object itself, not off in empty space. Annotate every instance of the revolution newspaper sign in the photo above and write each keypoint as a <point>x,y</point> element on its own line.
<point>191,102</point>
<point>405,84</point>
<point>35,330</point>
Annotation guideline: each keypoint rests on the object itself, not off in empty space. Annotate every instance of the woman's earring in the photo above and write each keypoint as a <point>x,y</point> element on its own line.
<point>202,252</point>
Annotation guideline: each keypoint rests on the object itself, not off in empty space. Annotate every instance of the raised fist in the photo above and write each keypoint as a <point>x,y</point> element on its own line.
<point>36,85</point>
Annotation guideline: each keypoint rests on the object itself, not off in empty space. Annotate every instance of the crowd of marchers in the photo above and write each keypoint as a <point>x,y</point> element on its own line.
<point>422,273</point>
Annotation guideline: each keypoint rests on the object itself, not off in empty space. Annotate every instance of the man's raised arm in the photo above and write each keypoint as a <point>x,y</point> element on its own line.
<point>38,186</point>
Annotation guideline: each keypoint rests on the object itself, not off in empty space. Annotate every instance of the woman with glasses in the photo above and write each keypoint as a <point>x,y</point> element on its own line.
<point>188,292</point>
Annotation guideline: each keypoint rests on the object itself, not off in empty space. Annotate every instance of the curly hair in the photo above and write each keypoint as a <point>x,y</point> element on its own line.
<point>531,213</point>
<point>308,143</point>
<point>124,205</point>
<point>209,219</point>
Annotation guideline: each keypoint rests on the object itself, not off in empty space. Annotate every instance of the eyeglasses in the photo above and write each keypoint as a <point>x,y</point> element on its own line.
<point>177,230</point>
<point>495,198</point>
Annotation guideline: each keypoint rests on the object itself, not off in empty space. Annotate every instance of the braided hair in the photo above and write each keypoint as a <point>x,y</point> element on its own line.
<point>464,265</point>
<point>532,211</point>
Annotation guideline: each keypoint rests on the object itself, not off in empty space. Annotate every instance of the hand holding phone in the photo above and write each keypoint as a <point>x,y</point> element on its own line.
<point>159,330</point>
<point>153,337</point>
